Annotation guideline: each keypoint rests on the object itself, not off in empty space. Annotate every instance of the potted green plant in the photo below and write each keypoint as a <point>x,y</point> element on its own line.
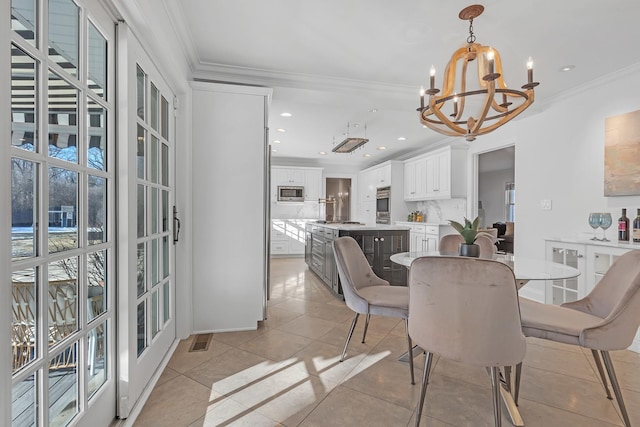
<point>469,232</point>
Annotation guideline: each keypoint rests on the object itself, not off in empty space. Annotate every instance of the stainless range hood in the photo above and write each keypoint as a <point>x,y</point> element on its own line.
<point>349,144</point>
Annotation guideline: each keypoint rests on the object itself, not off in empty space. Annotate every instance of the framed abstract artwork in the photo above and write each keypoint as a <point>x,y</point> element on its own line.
<point>622,155</point>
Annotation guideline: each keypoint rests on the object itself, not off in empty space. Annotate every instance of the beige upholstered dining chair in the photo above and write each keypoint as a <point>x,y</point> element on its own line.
<point>450,243</point>
<point>606,319</point>
<point>487,247</point>
<point>465,309</point>
<point>366,293</point>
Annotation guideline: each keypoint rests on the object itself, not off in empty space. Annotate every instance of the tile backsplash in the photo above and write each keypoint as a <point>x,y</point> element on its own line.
<point>441,211</point>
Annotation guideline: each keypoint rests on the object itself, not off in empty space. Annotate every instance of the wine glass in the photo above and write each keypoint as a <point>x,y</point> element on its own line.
<point>594,222</point>
<point>605,222</point>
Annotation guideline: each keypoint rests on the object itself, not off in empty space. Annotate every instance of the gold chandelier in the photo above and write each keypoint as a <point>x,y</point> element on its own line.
<point>493,103</point>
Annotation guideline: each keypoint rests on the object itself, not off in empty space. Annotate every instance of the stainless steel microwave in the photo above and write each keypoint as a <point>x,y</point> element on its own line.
<point>290,193</point>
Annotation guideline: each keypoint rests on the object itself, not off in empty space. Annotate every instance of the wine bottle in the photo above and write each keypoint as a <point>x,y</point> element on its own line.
<point>623,227</point>
<point>636,228</point>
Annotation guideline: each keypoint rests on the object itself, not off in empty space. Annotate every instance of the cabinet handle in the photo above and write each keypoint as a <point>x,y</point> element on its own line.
<point>382,239</point>
<point>375,239</point>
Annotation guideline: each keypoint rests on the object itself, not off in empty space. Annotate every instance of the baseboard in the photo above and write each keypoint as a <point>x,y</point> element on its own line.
<point>137,408</point>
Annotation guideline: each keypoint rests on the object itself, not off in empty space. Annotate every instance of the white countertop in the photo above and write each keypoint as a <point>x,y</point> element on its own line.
<point>433,224</point>
<point>587,241</point>
<point>363,227</point>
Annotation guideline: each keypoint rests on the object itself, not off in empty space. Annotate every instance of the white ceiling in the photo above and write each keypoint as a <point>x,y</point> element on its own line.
<point>333,61</point>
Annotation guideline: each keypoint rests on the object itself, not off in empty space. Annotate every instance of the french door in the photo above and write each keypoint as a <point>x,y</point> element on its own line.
<point>146,199</point>
<point>62,207</point>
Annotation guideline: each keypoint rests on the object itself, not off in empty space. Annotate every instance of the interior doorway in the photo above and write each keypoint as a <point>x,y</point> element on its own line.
<point>496,194</point>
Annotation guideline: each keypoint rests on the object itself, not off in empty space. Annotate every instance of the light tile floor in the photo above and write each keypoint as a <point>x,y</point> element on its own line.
<point>287,373</point>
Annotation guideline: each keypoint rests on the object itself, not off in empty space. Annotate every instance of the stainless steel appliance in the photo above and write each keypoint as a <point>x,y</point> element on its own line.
<point>338,200</point>
<point>383,198</point>
<point>290,193</point>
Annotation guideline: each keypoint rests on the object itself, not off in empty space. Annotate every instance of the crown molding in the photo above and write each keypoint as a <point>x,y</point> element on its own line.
<point>272,78</point>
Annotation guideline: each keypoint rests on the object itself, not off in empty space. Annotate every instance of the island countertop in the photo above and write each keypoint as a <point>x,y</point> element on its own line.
<point>363,227</point>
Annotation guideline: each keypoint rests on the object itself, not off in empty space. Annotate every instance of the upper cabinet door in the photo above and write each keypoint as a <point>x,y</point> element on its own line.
<point>312,185</point>
<point>285,176</point>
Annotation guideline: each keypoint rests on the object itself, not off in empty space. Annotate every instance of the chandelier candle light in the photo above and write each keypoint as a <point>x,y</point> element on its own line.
<point>491,99</point>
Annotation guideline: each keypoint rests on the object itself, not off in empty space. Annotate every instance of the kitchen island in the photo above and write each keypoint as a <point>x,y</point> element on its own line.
<point>377,242</point>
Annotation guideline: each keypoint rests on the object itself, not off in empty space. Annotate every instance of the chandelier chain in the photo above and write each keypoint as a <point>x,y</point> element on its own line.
<point>472,37</point>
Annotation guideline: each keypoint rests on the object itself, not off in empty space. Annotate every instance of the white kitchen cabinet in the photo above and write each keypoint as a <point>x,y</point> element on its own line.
<point>289,176</point>
<point>440,174</point>
<point>599,259</point>
<point>383,176</point>
<point>287,237</point>
<point>415,179</point>
<point>367,211</point>
<point>425,237</point>
<point>309,178</point>
<point>566,290</point>
<point>312,184</point>
<point>387,174</point>
<point>367,186</point>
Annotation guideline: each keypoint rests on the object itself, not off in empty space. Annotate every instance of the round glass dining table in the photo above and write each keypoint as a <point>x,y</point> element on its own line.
<point>524,268</point>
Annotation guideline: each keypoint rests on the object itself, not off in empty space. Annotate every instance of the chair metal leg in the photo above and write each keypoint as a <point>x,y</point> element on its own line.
<point>366,326</point>
<point>616,387</point>
<point>517,385</point>
<point>495,387</point>
<point>423,389</point>
<point>353,326</point>
<point>507,378</point>
<point>596,357</point>
<point>406,328</point>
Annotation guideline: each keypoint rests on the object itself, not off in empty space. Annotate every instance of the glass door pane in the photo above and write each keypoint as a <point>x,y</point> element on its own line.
<point>62,212</point>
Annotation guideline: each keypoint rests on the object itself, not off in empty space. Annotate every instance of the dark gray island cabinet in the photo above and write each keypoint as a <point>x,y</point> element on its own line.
<point>377,243</point>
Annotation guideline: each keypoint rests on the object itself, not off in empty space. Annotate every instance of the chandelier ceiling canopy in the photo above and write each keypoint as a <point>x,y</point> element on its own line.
<point>471,106</point>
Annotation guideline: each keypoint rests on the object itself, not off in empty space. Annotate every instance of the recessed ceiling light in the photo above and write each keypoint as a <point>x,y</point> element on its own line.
<point>402,138</point>
<point>373,110</point>
<point>566,68</point>
<point>276,141</point>
<point>322,153</point>
<point>366,155</point>
<point>285,115</point>
<point>281,130</point>
<point>382,148</point>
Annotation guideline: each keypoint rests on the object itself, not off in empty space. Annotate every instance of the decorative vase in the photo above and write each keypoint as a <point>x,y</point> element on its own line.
<point>472,250</point>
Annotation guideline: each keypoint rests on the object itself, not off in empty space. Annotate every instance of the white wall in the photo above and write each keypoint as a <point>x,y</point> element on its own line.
<point>559,156</point>
<point>152,24</point>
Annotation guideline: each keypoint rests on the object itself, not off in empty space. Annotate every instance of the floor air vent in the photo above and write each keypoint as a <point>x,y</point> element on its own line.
<point>201,342</point>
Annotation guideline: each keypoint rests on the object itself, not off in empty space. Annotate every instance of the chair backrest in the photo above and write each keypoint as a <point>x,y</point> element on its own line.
<point>354,271</point>
<point>487,247</point>
<point>466,309</point>
<point>616,298</point>
<point>491,233</point>
<point>450,243</point>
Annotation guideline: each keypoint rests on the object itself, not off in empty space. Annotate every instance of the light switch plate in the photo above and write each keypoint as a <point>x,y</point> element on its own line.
<point>545,205</point>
